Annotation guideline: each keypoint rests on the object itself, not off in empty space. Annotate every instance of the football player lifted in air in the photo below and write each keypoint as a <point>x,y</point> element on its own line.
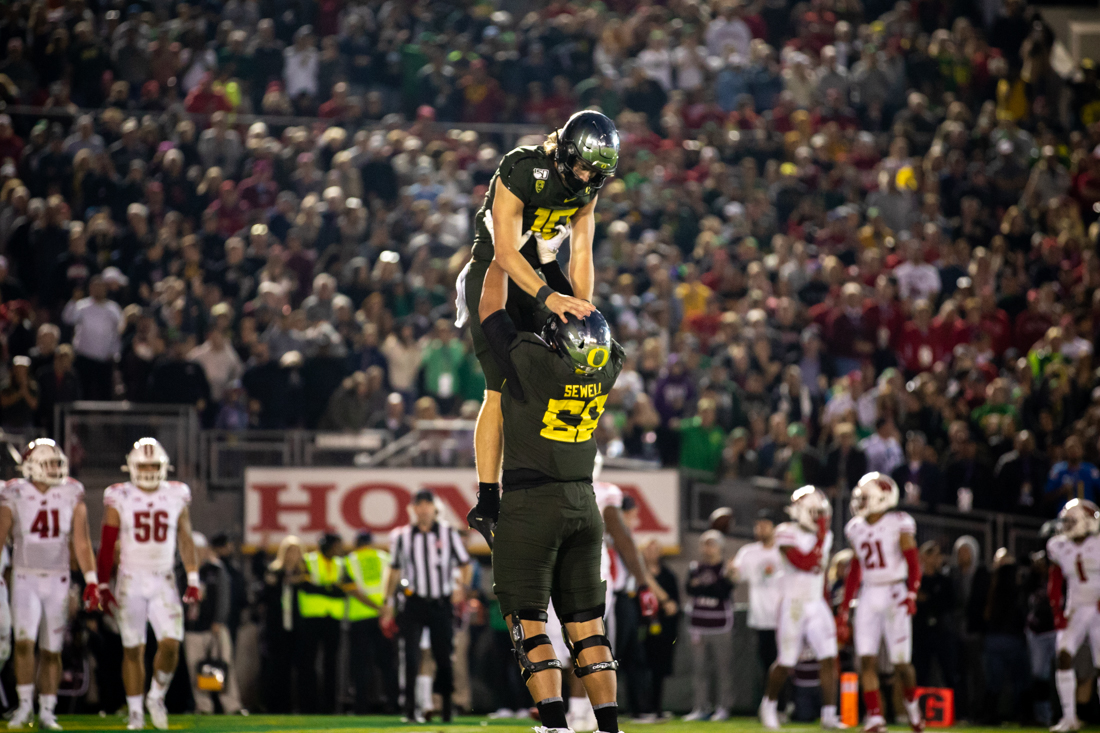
<point>150,514</point>
<point>44,511</point>
<point>804,614</point>
<point>885,575</point>
<point>539,197</point>
<point>1074,555</point>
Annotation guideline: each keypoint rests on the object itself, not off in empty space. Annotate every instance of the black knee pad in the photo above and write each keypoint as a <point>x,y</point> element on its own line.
<point>576,647</point>
<point>521,646</point>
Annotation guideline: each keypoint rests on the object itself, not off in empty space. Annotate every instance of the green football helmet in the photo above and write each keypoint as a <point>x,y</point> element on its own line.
<point>588,138</point>
<point>583,342</point>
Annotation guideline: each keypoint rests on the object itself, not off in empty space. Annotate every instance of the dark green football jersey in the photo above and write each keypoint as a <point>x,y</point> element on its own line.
<point>550,432</point>
<point>529,173</point>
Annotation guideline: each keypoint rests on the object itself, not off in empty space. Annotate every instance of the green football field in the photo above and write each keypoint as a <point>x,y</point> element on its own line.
<point>295,724</point>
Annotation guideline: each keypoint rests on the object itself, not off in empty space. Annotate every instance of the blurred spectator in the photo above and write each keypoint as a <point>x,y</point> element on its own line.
<point>206,634</point>
<point>96,338</point>
<point>710,621</point>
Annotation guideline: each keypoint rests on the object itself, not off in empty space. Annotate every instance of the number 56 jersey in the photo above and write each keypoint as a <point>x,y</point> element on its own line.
<point>42,523</point>
<point>148,522</point>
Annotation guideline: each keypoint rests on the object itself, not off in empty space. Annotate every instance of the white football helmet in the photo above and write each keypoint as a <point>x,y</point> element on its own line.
<point>45,463</point>
<point>148,464</point>
<point>807,506</point>
<point>874,494</point>
<point>1079,518</point>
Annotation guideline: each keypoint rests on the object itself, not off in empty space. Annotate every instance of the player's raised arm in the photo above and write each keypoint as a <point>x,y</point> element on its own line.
<point>507,241</point>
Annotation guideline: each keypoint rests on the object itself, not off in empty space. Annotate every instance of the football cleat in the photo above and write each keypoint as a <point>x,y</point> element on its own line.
<point>158,713</point>
<point>21,718</point>
<point>915,719</point>
<point>48,721</point>
<point>875,724</point>
<point>1066,725</point>
<point>136,721</point>
<point>485,526</point>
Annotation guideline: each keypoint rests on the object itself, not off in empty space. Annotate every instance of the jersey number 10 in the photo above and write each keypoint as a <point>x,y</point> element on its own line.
<point>46,524</point>
<point>157,529</point>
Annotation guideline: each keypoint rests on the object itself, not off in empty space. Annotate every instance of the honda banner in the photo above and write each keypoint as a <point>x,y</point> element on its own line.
<point>310,501</point>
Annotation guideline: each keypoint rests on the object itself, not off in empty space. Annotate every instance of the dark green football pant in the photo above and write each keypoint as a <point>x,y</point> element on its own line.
<point>547,546</point>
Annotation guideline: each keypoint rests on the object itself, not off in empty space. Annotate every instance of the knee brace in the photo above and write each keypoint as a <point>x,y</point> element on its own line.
<point>576,647</point>
<point>521,646</point>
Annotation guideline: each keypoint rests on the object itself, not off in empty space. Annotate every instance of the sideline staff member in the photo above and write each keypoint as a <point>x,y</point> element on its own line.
<point>424,557</point>
<point>550,534</point>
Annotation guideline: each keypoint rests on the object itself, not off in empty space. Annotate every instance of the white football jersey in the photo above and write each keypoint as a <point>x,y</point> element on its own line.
<point>878,546</point>
<point>801,584</point>
<point>42,523</point>
<point>1080,564</point>
<point>607,495</point>
<point>762,568</point>
<point>148,524</point>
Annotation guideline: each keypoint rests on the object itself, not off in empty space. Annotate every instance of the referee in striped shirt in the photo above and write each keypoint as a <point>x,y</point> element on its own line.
<point>425,557</point>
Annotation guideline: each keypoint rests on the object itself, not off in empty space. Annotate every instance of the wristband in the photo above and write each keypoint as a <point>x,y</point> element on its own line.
<point>91,578</point>
<point>544,292</point>
<point>193,579</point>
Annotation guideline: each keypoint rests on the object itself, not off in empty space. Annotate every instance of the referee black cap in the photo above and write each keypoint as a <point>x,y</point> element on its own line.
<point>423,495</point>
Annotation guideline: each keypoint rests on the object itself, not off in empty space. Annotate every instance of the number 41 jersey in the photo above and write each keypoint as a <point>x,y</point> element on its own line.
<point>148,521</point>
<point>548,435</point>
<point>41,523</point>
<point>878,546</point>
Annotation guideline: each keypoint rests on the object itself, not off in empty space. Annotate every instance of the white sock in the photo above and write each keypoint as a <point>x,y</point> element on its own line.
<point>424,691</point>
<point>828,714</point>
<point>133,702</point>
<point>1066,682</point>
<point>26,695</point>
<point>161,682</point>
<point>46,704</point>
<point>771,706</point>
<point>581,706</point>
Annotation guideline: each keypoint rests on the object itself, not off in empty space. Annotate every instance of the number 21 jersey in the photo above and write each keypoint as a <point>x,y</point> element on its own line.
<point>878,546</point>
<point>148,521</point>
<point>1080,564</point>
<point>41,523</point>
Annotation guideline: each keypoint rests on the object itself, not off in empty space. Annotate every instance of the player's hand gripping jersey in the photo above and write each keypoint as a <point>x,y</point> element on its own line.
<point>42,523</point>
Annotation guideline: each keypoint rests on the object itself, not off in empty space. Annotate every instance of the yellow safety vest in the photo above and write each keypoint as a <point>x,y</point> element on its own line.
<point>322,571</point>
<point>367,568</point>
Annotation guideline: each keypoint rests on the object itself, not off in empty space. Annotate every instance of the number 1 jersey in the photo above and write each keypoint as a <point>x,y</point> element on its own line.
<point>1080,564</point>
<point>42,523</point>
<point>148,522</point>
<point>878,546</point>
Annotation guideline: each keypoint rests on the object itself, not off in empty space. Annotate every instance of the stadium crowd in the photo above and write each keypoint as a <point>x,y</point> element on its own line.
<point>843,236</point>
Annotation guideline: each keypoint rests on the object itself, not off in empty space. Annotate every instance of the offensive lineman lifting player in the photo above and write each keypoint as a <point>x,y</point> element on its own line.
<point>539,197</point>
<point>550,534</point>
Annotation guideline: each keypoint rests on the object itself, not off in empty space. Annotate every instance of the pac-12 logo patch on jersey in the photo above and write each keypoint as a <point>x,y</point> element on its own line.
<point>541,174</point>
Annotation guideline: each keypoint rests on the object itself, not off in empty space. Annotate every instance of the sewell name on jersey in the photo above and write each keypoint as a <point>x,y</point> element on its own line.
<point>584,390</point>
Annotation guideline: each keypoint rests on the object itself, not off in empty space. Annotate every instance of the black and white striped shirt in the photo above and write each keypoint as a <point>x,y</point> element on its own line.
<point>427,560</point>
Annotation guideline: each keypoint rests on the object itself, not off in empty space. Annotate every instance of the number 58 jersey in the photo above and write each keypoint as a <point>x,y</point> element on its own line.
<point>148,522</point>
<point>548,435</point>
<point>1080,564</point>
<point>42,523</point>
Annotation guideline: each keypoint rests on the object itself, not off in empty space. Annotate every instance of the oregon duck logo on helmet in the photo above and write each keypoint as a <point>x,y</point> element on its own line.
<point>585,342</point>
